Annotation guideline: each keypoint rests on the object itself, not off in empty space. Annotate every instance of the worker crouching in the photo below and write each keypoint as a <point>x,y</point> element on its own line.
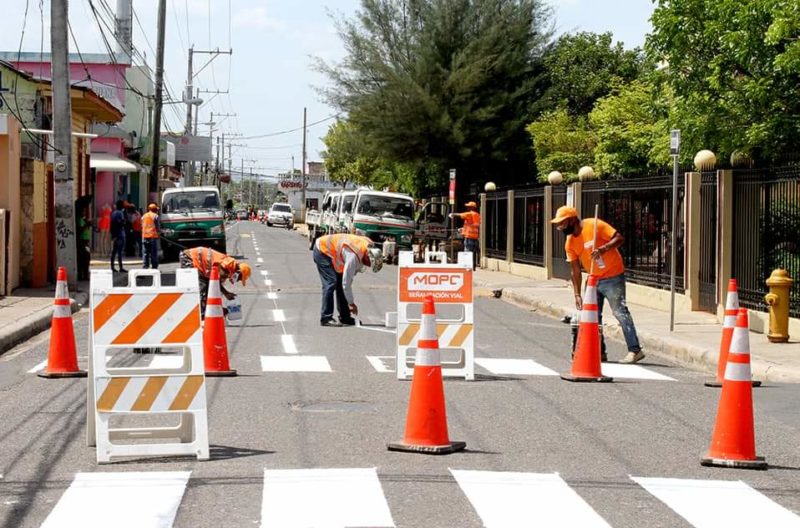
<point>203,260</point>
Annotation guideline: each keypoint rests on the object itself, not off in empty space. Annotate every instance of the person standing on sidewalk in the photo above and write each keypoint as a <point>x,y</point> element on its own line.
<point>118,222</point>
<point>150,227</point>
<point>608,268</point>
<point>471,230</point>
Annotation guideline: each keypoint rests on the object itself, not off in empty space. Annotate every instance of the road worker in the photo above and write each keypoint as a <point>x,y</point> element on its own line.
<point>338,258</point>
<point>471,230</point>
<point>204,259</point>
<point>150,227</point>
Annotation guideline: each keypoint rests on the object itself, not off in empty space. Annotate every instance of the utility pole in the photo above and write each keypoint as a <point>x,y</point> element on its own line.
<point>188,130</point>
<point>156,130</point>
<point>303,179</point>
<point>62,141</point>
<point>230,172</point>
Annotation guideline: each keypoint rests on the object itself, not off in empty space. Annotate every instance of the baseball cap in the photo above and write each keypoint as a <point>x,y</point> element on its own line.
<point>563,213</point>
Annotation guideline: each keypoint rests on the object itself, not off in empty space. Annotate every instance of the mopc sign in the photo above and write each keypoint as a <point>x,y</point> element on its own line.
<point>448,285</point>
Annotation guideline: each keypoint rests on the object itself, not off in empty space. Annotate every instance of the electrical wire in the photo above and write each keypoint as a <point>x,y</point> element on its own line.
<point>309,125</point>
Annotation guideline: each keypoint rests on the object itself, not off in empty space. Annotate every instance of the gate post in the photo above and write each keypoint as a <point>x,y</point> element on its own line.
<point>724,235</point>
<point>548,231</point>
<point>482,233</point>
<point>692,221</point>
<point>510,229</point>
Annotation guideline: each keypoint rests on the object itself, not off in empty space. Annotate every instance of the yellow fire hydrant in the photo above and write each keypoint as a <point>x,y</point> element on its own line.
<point>778,300</point>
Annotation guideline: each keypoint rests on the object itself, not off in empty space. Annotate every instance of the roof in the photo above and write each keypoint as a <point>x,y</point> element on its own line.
<point>86,102</point>
<point>111,163</point>
<point>17,71</point>
<point>86,58</point>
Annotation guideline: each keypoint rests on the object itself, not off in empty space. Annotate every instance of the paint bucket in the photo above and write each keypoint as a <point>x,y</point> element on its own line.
<point>234,307</point>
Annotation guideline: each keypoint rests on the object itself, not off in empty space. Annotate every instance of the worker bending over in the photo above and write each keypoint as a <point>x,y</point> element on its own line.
<point>203,260</point>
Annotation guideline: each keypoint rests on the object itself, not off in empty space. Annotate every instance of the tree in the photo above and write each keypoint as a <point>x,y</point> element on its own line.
<point>346,157</point>
<point>562,143</point>
<point>441,84</point>
<point>734,66</point>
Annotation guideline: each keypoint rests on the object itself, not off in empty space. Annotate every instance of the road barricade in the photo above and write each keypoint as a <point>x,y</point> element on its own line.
<point>153,317</point>
<point>450,285</point>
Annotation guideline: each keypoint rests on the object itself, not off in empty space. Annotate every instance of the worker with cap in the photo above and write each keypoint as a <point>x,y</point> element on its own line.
<point>471,230</point>
<point>338,258</point>
<point>582,249</point>
<point>203,260</point>
<point>150,227</point>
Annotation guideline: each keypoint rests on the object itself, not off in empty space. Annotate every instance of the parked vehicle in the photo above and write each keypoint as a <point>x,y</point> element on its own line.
<point>324,221</point>
<point>281,214</point>
<point>384,217</point>
<point>191,217</point>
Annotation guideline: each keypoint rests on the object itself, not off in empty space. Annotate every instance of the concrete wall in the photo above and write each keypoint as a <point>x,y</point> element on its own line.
<point>10,199</point>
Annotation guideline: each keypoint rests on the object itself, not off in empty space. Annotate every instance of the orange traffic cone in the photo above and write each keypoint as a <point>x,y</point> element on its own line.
<point>62,357</point>
<point>586,363</point>
<point>729,322</point>
<point>426,423</point>
<point>215,343</point>
<point>733,443</point>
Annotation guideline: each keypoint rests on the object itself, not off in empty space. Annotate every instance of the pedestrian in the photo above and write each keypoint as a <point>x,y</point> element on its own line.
<point>105,228</point>
<point>203,260</point>
<point>84,243</point>
<point>608,267</point>
<point>338,258</point>
<point>118,223</point>
<point>135,219</point>
<point>150,228</point>
<point>471,230</point>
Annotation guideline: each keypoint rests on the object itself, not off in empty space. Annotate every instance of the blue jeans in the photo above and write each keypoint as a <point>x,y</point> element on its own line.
<point>331,284</point>
<point>613,289</point>
<point>117,250</point>
<point>471,244</point>
<point>150,253</point>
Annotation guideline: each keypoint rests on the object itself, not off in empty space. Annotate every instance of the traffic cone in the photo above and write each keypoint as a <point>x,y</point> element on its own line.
<point>62,357</point>
<point>728,323</point>
<point>426,423</point>
<point>215,343</point>
<point>586,361</point>
<point>733,442</point>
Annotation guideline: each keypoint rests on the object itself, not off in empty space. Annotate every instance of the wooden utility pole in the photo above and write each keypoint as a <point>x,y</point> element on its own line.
<point>159,81</point>
<point>62,141</point>
<point>303,179</point>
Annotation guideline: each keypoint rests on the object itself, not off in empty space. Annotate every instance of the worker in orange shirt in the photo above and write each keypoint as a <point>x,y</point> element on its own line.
<point>471,230</point>
<point>150,227</point>
<point>203,260</point>
<point>608,267</point>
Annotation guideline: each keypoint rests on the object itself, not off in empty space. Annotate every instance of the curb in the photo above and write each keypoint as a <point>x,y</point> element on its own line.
<point>35,323</point>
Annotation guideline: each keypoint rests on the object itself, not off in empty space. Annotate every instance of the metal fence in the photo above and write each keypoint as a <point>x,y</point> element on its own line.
<point>766,231</point>
<point>708,242</point>
<point>529,226</point>
<point>640,209</point>
<point>496,224</point>
<point>561,268</point>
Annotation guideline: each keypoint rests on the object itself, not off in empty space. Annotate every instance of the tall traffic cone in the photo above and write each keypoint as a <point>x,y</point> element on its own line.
<point>215,342</point>
<point>728,323</point>
<point>426,423</point>
<point>586,362</point>
<point>733,442</point>
<point>62,357</point>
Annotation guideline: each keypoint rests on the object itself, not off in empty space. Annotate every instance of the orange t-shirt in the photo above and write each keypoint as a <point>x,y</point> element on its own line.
<point>580,247</point>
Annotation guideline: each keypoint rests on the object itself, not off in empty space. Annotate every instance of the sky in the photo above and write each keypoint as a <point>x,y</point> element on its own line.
<point>268,77</point>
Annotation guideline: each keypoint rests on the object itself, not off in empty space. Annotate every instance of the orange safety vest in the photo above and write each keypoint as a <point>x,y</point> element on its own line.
<point>333,245</point>
<point>149,225</point>
<point>203,259</point>
<point>472,224</point>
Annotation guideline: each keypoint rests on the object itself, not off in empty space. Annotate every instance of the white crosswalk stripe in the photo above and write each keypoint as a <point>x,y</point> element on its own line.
<point>525,367</point>
<point>295,364</point>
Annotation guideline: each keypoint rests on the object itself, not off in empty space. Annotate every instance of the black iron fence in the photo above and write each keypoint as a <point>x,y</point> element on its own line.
<point>766,231</point>
<point>561,267</point>
<point>496,224</point>
<point>529,226</point>
<point>708,242</point>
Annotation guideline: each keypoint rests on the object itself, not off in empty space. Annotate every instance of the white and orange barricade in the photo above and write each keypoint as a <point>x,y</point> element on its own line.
<point>450,285</point>
<point>154,317</point>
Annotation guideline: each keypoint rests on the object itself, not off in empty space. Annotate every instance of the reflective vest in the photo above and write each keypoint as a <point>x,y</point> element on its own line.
<point>333,245</point>
<point>149,229</point>
<point>203,259</point>
<point>472,224</point>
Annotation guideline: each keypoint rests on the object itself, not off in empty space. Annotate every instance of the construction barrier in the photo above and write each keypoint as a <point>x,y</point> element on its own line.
<point>450,285</point>
<point>154,317</point>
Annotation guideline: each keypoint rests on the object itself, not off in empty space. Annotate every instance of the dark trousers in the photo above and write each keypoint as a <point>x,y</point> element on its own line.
<point>471,244</point>
<point>117,250</point>
<point>150,253</point>
<point>186,262</point>
<point>331,284</point>
<point>84,259</point>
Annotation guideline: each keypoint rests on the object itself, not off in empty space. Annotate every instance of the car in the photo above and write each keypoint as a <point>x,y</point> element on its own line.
<point>281,214</point>
<point>242,215</point>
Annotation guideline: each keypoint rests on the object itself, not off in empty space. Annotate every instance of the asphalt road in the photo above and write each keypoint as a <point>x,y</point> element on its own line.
<point>309,448</point>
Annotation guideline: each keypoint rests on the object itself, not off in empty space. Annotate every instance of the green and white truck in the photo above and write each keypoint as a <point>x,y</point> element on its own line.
<point>191,217</point>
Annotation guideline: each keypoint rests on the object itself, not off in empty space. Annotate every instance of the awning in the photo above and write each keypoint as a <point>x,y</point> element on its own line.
<point>111,163</point>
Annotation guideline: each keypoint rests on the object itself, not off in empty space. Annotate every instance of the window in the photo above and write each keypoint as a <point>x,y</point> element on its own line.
<point>347,206</point>
<point>190,201</point>
<point>282,208</point>
<point>388,206</point>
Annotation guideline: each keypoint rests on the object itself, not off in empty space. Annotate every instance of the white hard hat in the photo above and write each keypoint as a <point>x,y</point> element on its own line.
<point>375,259</point>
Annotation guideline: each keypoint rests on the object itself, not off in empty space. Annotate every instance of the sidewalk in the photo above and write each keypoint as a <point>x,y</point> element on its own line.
<point>694,343</point>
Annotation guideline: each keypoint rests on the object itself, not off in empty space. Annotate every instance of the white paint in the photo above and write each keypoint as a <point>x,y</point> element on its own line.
<point>272,295</point>
<point>323,497</point>
<point>288,344</point>
<point>128,499</point>
<point>374,328</point>
<point>506,499</point>
<point>279,316</point>
<point>38,367</point>
<point>715,503</point>
<point>295,364</point>
<point>521,367</point>
<point>624,371</point>
<point>260,260</point>
<point>378,363</point>
<point>267,282</point>
<point>166,362</point>
<point>264,272</point>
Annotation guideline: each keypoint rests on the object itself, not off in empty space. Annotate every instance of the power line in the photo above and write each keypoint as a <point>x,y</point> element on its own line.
<point>272,134</point>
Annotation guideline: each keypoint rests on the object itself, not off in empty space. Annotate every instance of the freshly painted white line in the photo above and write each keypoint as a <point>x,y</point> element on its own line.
<point>376,329</point>
<point>260,260</point>
<point>505,499</point>
<point>38,367</point>
<point>264,273</point>
<point>279,316</point>
<point>267,282</point>
<point>378,363</point>
<point>288,344</point>
<point>523,367</point>
<point>272,295</point>
<point>713,503</point>
<point>245,235</point>
<point>295,364</point>
<point>323,497</point>
<point>166,362</point>
<point>621,370</point>
<point>126,499</point>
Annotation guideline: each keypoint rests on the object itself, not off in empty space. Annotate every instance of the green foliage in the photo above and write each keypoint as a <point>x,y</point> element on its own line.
<point>561,142</point>
<point>347,158</point>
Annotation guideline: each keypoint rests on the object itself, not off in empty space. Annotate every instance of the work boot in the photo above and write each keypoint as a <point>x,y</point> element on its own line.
<point>633,357</point>
<point>330,322</point>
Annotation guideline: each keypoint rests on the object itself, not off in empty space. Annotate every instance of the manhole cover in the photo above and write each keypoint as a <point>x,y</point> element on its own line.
<point>334,406</point>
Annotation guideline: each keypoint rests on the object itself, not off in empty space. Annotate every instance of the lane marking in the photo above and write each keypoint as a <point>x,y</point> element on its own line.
<point>129,499</point>
<point>259,260</point>
<point>378,363</point>
<point>278,316</point>
<point>288,344</point>
<point>264,273</point>
<point>504,499</point>
<point>376,329</point>
<point>295,364</point>
<point>38,367</point>
<point>272,295</point>
<point>324,497</point>
<point>713,503</point>
<point>231,226</point>
<point>268,282</point>
<point>621,370</point>
<point>523,367</point>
